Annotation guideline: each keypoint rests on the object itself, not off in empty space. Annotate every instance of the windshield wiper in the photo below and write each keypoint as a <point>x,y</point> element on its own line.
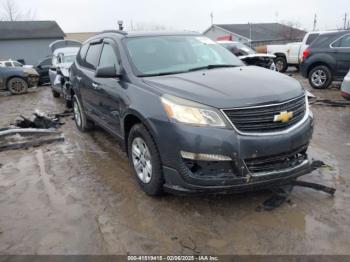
<point>210,67</point>
<point>162,74</point>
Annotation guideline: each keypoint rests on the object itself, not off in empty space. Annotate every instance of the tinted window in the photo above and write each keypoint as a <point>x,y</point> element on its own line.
<point>8,64</point>
<point>345,41</point>
<point>92,56</point>
<point>82,53</point>
<point>311,38</point>
<point>46,62</point>
<point>108,57</point>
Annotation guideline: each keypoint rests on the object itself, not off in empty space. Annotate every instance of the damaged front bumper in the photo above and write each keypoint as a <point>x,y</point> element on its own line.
<point>33,80</point>
<point>253,162</point>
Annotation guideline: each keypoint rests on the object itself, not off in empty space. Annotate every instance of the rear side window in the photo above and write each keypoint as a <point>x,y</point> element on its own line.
<point>345,41</point>
<point>92,56</point>
<point>311,38</point>
<point>8,64</point>
<point>108,57</point>
<point>82,53</point>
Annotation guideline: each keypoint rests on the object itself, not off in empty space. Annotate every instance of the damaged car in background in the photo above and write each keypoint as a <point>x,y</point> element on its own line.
<point>248,55</point>
<point>17,80</point>
<point>63,55</point>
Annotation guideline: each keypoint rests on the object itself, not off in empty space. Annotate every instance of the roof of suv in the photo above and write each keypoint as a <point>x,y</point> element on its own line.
<point>124,34</point>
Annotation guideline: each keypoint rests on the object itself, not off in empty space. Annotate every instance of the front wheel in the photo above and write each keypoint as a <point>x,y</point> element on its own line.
<point>17,86</point>
<point>145,160</point>
<point>281,64</point>
<point>320,77</point>
<point>81,121</point>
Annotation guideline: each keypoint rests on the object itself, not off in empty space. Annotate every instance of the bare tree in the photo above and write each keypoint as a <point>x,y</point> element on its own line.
<point>12,12</point>
<point>143,26</point>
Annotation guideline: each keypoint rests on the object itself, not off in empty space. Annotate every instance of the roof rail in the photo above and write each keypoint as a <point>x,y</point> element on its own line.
<point>115,31</point>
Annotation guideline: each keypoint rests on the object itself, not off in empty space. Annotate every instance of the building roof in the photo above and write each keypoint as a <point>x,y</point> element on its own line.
<point>264,31</point>
<point>15,30</point>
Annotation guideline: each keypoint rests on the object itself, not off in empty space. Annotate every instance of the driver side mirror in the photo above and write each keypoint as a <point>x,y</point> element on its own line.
<point>107,72</point>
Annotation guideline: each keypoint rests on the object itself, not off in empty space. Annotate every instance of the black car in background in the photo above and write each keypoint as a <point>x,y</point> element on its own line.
<point>192,117</point>
<point>327,59</point>
<point>43,69</point>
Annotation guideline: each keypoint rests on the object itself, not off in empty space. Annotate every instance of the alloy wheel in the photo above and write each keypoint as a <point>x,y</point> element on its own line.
<point>319,78</point>
<point>142,160</point>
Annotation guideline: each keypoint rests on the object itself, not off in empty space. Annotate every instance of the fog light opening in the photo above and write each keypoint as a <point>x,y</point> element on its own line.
<point>204,157</point>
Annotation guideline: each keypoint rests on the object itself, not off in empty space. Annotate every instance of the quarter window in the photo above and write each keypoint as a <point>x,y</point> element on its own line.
<point>108,57</point>
<point>92,56</point>
<point>345,41</point>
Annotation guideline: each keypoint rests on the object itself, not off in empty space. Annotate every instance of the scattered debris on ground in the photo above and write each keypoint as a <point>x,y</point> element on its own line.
<point>328,102</point>
<point>281,195</point>
<point>32,132</point>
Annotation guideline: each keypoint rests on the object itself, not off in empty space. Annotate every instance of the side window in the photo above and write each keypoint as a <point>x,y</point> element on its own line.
<point>92,56</point>
<point>8,64</point>
<point>345,41</point>
<point>108,57</point>
<point>17,64</point>
<point>311,38</point>
<point>82,53</point>
<point>46,62</point>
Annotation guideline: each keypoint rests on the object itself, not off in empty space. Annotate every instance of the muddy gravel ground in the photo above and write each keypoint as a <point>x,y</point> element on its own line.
<point>79,197</point>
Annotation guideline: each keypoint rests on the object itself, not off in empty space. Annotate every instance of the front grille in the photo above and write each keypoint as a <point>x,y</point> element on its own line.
<point>261,119</point>
<point>277,162</point>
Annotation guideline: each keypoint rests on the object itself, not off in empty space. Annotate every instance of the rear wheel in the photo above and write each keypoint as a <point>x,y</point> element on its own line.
<point>17,86</point>
<point>320,77</point>
<point>145,160</point>
<point>281,64</point>
<point>81,121</point>
<point>55,93</point>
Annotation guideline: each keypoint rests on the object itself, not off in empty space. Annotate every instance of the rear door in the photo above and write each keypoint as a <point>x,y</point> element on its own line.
<point>109,89</point>
<point>341,52</point>
<point>87,81</point>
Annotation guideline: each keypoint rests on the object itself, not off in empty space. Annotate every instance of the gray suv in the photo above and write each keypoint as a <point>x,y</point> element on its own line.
<point>193,119</point>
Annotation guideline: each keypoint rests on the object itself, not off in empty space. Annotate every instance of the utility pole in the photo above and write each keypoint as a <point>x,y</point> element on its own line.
<point>212,18</point>
<point>345,20</point>
<point>315,22</point>
<point>250,34</point>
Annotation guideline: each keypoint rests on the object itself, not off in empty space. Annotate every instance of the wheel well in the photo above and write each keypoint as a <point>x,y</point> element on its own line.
<point>8,79</point>
<point>280,55</point>
<point>318,64</point>
<point>129,122</point>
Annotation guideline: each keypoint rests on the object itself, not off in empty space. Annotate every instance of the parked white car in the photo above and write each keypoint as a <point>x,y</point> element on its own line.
<point>291,54</point>
<point>13,63</point>
<point>345,87</point>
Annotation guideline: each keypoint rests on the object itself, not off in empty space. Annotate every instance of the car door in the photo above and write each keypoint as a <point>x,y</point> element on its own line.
<point>43,69</point>
<point>341,52</point>
<point>109,89</point>
<point>88,87</point>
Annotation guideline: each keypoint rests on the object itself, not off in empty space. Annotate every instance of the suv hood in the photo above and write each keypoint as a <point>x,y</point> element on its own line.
<point>229,87</point>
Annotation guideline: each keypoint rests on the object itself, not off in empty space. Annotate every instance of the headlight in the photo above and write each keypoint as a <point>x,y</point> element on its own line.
<point>188,112</point>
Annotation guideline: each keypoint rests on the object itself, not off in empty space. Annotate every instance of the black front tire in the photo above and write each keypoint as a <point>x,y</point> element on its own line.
<point>324,71</point>
<point>55,93</point>
<point>80,118</point>
<point>281,64</point>
<point>155,186</point>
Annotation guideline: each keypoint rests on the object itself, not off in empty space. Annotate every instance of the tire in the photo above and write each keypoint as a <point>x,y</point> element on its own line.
<point>143,152</point>
<point>81,121</point>
<point>320,77</point>
<point>55,93</point>
<point>281,64</point>
<point>17,86</point>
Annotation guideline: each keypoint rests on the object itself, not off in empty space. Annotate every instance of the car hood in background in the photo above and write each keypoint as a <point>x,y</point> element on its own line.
<point>59,44</point>
<point>30,71</point>
<point>257,55</point>
<point>229,87</point>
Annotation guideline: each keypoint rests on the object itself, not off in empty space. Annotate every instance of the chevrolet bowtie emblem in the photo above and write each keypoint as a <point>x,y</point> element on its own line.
<point>283,117</point>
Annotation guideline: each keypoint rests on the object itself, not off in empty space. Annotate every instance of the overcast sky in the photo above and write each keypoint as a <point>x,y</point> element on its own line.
<point>96,15</point>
